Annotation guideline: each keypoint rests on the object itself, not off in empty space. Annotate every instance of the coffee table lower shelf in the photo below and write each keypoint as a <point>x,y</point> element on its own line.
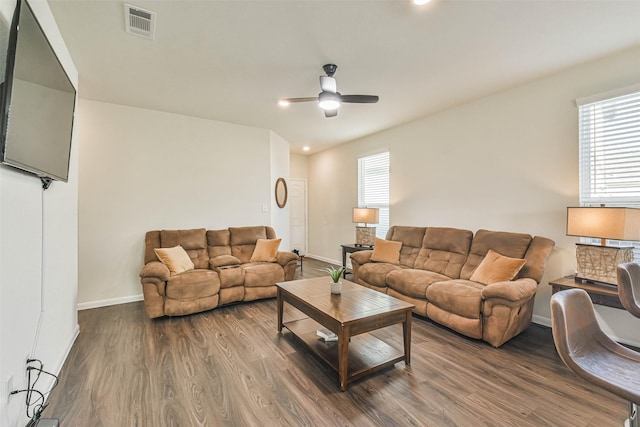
<point>367,353</point>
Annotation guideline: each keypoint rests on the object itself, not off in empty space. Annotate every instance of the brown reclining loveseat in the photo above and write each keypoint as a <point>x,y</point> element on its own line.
<point>223,271</point>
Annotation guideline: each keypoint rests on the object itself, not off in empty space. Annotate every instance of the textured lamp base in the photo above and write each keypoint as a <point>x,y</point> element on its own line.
<point>365,236</point>
<point>600,263</point>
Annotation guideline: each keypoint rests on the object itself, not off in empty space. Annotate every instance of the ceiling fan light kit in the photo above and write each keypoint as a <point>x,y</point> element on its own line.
<point>330,99</point>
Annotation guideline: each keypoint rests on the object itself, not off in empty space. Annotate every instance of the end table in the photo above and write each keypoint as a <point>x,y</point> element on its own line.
<point>600,293</point>
<point>348,248</point>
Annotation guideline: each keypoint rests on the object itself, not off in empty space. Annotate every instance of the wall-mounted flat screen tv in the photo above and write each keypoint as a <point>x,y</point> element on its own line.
<point>38,102</point>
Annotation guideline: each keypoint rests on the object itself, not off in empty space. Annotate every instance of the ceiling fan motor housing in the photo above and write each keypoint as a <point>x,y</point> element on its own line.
<point>330,69</point>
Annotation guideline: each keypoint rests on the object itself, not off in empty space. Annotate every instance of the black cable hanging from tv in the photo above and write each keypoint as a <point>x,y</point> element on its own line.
<point>46,182</point>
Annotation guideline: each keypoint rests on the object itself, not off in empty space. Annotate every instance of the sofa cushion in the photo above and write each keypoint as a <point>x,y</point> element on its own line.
<point>193,284</point>
<point>444,250</point>
<point>193,241</point>
<point>513,245</point>
<point>223,261</point>
<point>262,274</point>
<point>497,268</point>
<point>458,296</point>
<point>386,251</point>
<point>230,276</point>
<point>375,273</point>
<point>246,235</point>
<point>412,282</point>
<point>218,242</point>
<point>266,250</point>
<point>176,259</point>
<point>411,238</point>
<point>470,327</point>
<point>243,241</point>
<point>537,255</point>
<point>188,239</point>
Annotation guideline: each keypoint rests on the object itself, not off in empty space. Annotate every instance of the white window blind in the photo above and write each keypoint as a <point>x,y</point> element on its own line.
<point>610,154</point>
<point>373,188</point>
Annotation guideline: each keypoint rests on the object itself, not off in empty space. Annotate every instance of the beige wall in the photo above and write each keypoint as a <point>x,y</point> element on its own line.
<point>504,162</point>
<point>143,170</point>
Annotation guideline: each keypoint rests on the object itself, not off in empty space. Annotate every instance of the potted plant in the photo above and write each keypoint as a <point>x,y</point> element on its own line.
<point>336,274</point>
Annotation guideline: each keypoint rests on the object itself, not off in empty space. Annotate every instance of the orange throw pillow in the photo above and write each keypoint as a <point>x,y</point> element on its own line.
<point>386,251</point>
<point>497,268</point>
<point>176,259</point>
<point>266,250</point>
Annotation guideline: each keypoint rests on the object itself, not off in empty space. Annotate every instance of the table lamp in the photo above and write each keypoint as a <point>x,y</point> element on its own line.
<point>599,263</point>
<point>365,236</point>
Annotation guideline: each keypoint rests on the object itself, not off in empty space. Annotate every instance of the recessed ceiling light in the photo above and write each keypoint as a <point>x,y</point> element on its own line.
<point>306,148</point>
<point>283,103</point>
<point>420,2</point>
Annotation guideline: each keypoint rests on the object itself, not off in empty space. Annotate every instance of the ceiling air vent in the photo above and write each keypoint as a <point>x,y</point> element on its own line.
<point>140,22</point>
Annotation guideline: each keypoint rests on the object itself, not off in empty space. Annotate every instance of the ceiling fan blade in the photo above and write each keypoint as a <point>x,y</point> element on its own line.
<point>360,99</point>
<point>328,84</point>
<point>331,113</point>
<point>292,100</point>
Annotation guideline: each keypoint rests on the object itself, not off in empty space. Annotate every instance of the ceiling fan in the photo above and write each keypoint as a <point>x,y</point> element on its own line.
<point>330,99</point>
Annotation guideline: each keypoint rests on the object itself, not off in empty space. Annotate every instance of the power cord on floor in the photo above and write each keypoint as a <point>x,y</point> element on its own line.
<point>34,408</point>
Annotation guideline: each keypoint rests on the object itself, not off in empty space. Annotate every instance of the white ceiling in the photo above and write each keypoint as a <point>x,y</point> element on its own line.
<point>232,60</point>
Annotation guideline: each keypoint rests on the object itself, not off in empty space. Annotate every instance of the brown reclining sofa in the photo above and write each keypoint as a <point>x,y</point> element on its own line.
<point>223,271</point>
<point>435,272</point>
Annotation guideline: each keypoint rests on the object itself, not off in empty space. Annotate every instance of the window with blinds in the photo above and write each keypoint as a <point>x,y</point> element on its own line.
<point>609,132</point>
<point>373,188</point>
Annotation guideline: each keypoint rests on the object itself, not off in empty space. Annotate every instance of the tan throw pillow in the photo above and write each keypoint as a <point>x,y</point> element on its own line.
<point>266,250</point>
<point>497,268</point>
<point>386,251</point>
<point>176,259</point>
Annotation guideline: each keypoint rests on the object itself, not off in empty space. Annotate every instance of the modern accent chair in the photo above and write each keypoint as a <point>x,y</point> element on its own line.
<point>629,287</point>
<point>590,353</point>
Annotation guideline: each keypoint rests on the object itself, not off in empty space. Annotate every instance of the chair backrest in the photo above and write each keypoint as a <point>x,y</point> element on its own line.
<point>573,323</point>
<point>588,351</point>
<point>629,287</point>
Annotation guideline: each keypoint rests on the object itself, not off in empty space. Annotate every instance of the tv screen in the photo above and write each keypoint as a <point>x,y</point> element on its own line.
<point>38,101</point>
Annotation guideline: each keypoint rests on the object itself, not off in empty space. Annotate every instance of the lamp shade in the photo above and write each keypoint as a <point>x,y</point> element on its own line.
<point>604,223</point>
<point>366,215</point>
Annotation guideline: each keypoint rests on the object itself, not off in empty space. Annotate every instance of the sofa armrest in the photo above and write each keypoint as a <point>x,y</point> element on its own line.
<point>515,291</point>
<point>155,270</point>
<point>223,261</point>
<point>357,260</point>
<point>284,258</point>
<point>361,257</point>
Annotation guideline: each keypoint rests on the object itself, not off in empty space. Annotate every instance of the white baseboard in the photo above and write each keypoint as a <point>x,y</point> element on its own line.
<point>320,258</point>
<point>544,321</point>
<point>108,302</point>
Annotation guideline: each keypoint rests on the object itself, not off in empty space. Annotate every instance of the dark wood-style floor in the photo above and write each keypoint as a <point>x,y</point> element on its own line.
<point>229,366</point>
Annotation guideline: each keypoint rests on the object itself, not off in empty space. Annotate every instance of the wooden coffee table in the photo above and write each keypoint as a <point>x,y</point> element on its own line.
<point>350,315</point>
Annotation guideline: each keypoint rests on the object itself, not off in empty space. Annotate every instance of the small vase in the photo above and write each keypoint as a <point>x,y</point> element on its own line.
<point>336,287</point>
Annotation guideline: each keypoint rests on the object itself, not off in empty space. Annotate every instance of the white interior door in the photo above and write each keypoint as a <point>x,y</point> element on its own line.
<point>298,214</point>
